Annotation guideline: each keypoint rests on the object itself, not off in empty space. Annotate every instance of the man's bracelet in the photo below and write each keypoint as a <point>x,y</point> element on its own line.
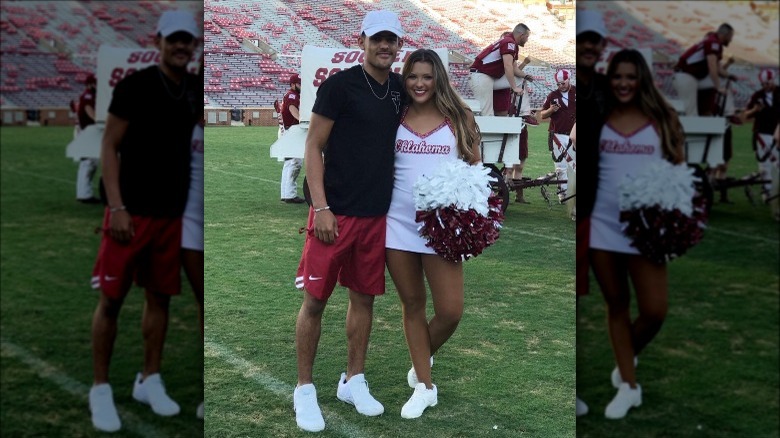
<point>115,209</point>
<point>317,210</point>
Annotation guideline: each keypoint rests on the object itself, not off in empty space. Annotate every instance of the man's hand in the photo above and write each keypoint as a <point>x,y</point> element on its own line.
<point>120,226</point>
<point>555,107</point>
<point>527,60</point>
<point>529,78</point>
<point>326,228</point>
<point>518,90</point>
<point>722,90</point>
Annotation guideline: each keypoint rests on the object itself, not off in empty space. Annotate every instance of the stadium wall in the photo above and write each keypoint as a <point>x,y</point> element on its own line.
<point>13,117</point>
<point>259,117</point>
<point>217,116</point>
<point>52,116</point>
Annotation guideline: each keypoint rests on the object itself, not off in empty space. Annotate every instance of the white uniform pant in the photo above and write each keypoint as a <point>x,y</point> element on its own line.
<point>771,156</point>
<point>87,167</point>
<point>290,172</point>
<point>687,88</point>
<point>561,171</point>
<point>482,86</point>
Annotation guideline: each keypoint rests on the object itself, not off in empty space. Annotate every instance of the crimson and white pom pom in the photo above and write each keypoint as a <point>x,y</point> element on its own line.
<point>455,183</point>
<point>660,184</point>
<point>663,213</point>
<point>459,214</point>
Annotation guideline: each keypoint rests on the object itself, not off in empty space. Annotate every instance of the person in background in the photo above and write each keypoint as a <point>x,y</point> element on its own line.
<point>85,113</point>
<point>498,62</point>
<point>561,108</point>
<point>289,111</point>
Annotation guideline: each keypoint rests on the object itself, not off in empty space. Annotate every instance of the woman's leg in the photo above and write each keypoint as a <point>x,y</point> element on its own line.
<point>406,270</point>
<point>446,281</point>
<point>612,275</point>
<point>651,286</point>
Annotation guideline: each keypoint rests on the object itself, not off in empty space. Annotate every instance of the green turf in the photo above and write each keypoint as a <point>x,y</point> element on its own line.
<point>48,251</point>
<point>508,371</point>
<point>712,371</point>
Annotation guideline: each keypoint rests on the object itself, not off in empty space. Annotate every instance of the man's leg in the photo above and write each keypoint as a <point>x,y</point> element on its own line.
<point>288,181</point>
<point>86,172</point>
<point>154,327</point>
<point>685,85</point>
<point>359,320</point>
<point>482,86</point>
<point>307,335</point>
<point>104,326</point>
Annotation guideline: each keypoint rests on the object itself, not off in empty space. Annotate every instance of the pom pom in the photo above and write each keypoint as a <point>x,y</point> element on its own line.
<point>664,214</point>
<point>459,214</point>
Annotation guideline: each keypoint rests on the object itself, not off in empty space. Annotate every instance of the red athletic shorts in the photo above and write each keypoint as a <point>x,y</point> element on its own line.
<point>356,259</point>
<point>152,258</point>
<point>502,100</point>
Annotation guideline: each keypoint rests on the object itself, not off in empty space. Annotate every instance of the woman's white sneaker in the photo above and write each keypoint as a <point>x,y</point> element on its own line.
<point>625,399</point>
<point>582,408</point>
<point>411,376</point>
<point>421,399</point>
<point>616,378</point>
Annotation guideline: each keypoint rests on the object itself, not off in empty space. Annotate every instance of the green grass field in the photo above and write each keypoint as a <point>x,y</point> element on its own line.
<point>48,251</point>
<point>508,371</point>
<point>712,371</point>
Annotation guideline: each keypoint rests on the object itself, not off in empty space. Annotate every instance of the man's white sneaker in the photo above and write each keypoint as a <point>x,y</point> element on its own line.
<point>582,408</point>
<point>355,392</point>
<point>151,391</point>
<point>625,399</point>
<point>420,399</point>
<point>307,411</point>
<point>101,404</point>
<point>411,376</point>
<point>616,378</point>
<point>199,411</point>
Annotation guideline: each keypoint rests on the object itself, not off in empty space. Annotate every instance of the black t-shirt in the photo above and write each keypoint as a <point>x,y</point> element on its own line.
<point>359,154</point>
<point>592,107</point>
<point>154,173</point>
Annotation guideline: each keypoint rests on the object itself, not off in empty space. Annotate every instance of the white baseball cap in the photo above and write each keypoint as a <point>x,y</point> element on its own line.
<point>562,75</point>
<point>177,21</point>
<point>766,75</point>
<point>378,21</point>
<point>591,21</point>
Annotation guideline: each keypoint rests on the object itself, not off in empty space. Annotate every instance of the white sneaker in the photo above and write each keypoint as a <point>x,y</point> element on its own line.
<point>151,391</point>
<point>199,411</point>
<point>625,399</point>
<point>411,376</point>
<point>101,404</point>
<point>307,411</point>
<point>420,399</point>
<point>616,378</point>
<point>582,408</point>
<point>355,392</point>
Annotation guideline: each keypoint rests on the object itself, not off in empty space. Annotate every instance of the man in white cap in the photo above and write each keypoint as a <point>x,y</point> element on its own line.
<point>591,41</point>
<point>149,124</point>
<point>561,108</point>
<point>497,62</point>
<point>356,114</point>
<point>764,107</point>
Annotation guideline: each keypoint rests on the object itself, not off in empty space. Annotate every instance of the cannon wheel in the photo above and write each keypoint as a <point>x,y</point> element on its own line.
<point>499,186</point>
<point>703,186</point>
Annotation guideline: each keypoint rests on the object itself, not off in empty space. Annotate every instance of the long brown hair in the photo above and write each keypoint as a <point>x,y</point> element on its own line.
<point>652,104</point>
<point>447,101</point>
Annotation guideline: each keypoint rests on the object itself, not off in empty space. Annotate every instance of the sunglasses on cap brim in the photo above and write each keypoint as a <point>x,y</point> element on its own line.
<point>180,37</point>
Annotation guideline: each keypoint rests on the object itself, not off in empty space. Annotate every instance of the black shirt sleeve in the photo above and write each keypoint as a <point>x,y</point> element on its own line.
<point>330,99</point>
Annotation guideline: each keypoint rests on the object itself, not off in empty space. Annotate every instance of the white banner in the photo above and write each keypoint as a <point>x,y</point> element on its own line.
<point>319,63</point>
<point>115,63</point>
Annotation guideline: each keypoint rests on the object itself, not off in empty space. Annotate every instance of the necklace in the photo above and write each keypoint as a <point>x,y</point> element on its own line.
<point>165,84</point>
<point>372,88</point>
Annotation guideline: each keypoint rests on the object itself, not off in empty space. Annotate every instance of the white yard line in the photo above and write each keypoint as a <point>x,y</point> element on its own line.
<point>77,389</point>
<point>281,389</point>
